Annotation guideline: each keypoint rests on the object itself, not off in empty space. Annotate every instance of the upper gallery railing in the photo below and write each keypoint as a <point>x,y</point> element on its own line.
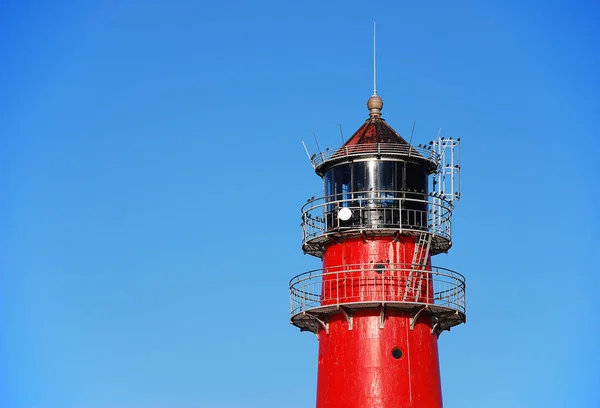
<point>376,210</point>
<point>388,149</point>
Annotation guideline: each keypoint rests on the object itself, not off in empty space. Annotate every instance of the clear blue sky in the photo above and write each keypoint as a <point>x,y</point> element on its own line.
<point>151,176</point>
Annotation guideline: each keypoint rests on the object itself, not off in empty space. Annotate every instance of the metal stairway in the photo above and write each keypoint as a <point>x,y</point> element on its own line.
<point>415,277</point>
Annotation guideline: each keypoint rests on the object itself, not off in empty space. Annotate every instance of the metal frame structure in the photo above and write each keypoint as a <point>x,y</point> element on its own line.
<point>446,178</point>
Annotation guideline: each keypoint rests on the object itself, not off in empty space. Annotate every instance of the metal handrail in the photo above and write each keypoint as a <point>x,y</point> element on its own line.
<point>367,284</point>
<point>379,209</point>
<point>390,149</point>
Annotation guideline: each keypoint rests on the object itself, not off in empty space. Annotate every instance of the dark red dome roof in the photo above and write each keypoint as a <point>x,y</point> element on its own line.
<point>375,130</point>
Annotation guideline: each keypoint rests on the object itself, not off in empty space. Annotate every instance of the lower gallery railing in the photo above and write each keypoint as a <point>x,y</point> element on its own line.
<point>377,283</point>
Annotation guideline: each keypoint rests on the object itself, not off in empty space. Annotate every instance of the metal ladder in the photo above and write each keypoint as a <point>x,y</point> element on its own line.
<point>419,261</point>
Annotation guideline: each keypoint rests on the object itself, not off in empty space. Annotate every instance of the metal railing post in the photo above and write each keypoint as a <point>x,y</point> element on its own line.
<point>382,285</point>
<point>337,286</point>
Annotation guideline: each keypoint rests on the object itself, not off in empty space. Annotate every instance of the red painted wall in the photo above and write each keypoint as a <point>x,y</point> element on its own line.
<point>356,367</point>
<point>346,281</point>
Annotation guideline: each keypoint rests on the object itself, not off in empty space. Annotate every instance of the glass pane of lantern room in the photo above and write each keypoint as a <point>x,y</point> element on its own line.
<point>328,184</point>
<point>416,203</point>
<point>416,179</point>
<point>342,178</point>
<point>387,179</point>
<point>372,175</point>
<point>364,178</point>
<point>359,178</point>
<point>359,183</point>
<point>400,182</point>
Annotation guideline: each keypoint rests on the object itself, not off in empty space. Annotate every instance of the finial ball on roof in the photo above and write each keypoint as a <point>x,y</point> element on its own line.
<point>375,104</point>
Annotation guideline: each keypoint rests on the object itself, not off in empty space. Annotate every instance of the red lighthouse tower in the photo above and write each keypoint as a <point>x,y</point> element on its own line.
<point>378,305</point>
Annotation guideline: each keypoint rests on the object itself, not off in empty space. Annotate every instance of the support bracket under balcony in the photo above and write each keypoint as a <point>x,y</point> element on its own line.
<point>348,315</point>
<point>382,316</point>
<point>437,320</point>
<point>415,317</point>
<point>435,326</point>
<point>338,238</point>
<point>324,324</point>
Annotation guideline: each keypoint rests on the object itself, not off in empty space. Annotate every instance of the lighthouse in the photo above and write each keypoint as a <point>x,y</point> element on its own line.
<point>378,305</point>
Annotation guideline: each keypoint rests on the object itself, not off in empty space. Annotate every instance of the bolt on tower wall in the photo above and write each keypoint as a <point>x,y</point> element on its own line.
<point>378,305</point>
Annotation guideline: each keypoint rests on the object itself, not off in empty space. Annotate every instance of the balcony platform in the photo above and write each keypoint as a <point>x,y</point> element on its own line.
<point>415,289</point>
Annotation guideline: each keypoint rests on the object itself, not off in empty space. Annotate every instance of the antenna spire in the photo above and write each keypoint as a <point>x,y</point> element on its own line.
<point>374,58</point>
<point>375,103</point>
